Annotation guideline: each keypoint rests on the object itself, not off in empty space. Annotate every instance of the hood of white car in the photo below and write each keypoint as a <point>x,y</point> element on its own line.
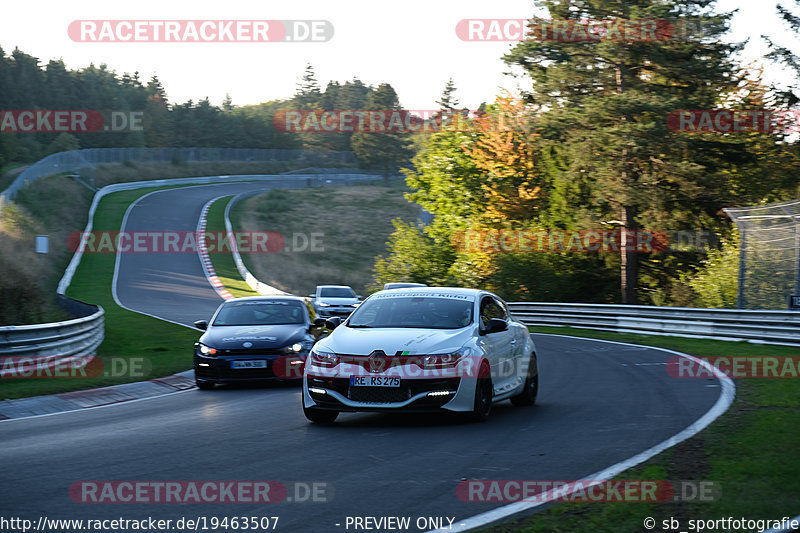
<point>394,341</point>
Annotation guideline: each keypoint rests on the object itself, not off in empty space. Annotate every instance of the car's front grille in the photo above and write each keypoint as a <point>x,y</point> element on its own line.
<point>379,394</point>
<point>225,371</point>
<point>408,388</point>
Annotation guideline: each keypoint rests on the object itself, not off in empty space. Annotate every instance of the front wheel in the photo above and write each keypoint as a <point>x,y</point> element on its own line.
<point>482,406</point>
<point>320,416</point>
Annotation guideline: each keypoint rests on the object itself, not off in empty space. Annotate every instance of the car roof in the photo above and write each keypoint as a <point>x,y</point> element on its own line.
<point>266,298</point>
<point>334,286</point>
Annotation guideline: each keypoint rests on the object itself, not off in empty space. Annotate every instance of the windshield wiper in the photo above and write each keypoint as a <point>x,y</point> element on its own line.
<point>359,326</point>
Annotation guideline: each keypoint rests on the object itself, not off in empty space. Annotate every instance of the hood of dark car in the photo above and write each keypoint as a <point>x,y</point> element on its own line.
<point>253,337</point>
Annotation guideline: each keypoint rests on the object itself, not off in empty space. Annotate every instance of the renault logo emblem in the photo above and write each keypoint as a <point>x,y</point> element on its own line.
<point>377,361</point>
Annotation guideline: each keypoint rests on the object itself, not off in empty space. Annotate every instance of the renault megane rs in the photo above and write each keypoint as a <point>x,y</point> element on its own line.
<point>421,349</point>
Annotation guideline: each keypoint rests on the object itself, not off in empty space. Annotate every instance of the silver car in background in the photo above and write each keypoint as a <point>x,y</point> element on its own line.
<point>334,300</point>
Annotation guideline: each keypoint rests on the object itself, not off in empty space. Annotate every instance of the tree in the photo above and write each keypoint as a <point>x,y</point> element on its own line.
<point>63,143</point>
<point>308,95</point>
<point>783,55</point>
<point>158,121</point>
<point>227,103</point>
<point>384,151</point>
<point>505,151</point>
<point>716,281</point>
<point>605,106</point>
<point>447,101</point>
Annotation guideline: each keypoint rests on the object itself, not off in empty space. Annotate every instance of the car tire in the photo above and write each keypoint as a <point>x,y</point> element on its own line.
<point>482,405</point>
<point>204,385</point>
<point>528,396</point>
<point>320,416</point>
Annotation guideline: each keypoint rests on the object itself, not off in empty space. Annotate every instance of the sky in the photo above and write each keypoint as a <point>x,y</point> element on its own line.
<point>411,45</point>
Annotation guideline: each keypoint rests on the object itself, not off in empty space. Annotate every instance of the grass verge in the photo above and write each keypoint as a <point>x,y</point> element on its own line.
<point>55,207</point>
<point>222,260</point>
<point>133,340</point>
<point>748,453</point>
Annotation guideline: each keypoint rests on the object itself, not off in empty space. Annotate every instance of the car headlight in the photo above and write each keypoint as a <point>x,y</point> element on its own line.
<point>294,348</point>
<point>443,360</point>
<point>206,350</point>
<point>324,359</point>
<point>323,304</point>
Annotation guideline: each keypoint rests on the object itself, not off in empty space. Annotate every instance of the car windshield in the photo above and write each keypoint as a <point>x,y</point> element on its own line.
<point>260,313</point>
<point>337,292</point>
<point>412,312</point>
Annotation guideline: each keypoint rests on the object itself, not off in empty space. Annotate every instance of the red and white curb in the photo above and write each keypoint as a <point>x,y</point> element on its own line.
<point>68,402</point>
<point>202,251</point>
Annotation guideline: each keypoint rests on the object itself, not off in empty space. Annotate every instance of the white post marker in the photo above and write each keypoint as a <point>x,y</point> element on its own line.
<point>42,244</point>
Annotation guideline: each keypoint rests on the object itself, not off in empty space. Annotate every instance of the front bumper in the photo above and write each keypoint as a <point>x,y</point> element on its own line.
<point>336,393</point>
<point>328,312</point>
<point>219,369</point>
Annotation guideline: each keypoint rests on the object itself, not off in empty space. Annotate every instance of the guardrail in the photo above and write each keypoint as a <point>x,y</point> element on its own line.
<point>42,347</point>
<point>84,162</point>
<point>777,327</point>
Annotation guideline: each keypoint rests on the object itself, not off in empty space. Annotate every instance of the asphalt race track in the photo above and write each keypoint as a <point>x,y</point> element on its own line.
<point>171,285</point>
<point>599,404</point>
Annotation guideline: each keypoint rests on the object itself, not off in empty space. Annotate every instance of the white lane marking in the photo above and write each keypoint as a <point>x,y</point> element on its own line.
<point>727,393</point>
<point>202,251</point>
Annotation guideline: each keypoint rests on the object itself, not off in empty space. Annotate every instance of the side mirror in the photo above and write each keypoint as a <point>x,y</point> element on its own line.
<point>495,325</point>
<point>358,296</point>
<point>333,322</point>
<point>319,322</point>
<point>201,324</point>
<point>311,296</point>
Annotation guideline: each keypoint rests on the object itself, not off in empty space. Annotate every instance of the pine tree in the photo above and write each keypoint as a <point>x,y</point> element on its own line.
<point>448,101</point>
<point>308,94</point>
<point>385,151</point>
<point>606,103</point>
<point>785,56</point>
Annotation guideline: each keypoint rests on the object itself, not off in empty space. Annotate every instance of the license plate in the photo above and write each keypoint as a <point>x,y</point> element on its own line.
<point>249,364</point>
<point>374,381</point>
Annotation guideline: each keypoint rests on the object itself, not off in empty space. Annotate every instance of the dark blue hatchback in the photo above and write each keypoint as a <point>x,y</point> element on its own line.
<point>253,339</point>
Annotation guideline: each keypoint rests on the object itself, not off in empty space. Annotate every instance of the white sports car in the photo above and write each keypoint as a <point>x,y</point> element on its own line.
<point>421,349</point>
